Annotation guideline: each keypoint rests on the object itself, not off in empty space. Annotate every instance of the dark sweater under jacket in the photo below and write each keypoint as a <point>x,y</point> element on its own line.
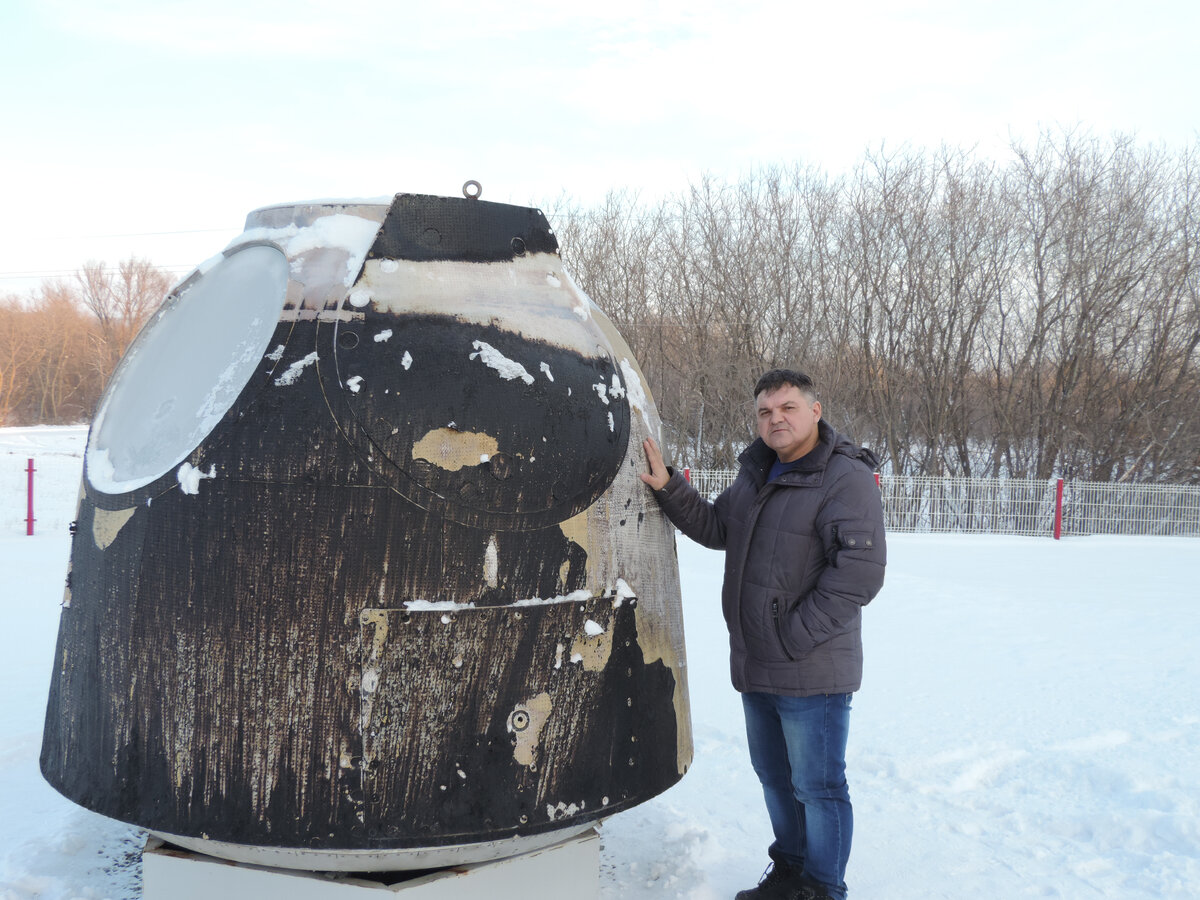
<point>803,555</point>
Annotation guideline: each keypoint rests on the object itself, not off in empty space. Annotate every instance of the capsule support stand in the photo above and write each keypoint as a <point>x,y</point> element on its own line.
<point>570,869</point>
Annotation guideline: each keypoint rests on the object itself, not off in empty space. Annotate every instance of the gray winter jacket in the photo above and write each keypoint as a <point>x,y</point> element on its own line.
<point>803,555</point>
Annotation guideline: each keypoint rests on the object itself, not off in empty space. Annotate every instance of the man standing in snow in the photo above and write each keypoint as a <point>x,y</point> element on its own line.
<point>802,527</point>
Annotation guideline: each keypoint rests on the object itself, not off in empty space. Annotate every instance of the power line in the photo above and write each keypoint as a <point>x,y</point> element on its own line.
<point>96,237</point>
<point>53,273</point>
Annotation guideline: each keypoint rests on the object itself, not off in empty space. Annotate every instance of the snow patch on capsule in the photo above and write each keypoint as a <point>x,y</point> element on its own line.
<point>436,605</point>
<point>624,592</point>
<point>637,394</point>
<point>562,810</point>
<point>189,477</point>
<point>581,596</point>
<point>295,370</point>
<point>352,234</point>
<point>492,358</point>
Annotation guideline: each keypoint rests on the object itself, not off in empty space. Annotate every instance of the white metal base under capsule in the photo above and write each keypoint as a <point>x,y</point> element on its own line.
<point>391,860</point>
<point>570,869</point>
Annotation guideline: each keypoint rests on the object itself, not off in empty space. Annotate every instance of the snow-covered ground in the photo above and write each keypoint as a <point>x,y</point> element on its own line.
<point>1029,724</point>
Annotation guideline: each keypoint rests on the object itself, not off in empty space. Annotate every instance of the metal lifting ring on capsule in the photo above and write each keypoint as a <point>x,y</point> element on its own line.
<point>472,190</point>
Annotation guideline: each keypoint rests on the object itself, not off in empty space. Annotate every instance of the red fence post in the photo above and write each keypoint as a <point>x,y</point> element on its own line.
<point>29,516</point>
<point>1058,492</point>
<point>687,474</point>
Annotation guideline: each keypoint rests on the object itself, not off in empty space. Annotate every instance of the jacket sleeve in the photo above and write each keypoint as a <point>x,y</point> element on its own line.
<point>692,514</point>
<point>850,525</point>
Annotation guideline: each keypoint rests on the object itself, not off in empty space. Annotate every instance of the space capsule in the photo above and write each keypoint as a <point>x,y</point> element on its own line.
<point>363,576</point>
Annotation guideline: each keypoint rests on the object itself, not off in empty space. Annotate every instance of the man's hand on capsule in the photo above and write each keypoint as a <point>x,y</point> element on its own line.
<point>658,476</point>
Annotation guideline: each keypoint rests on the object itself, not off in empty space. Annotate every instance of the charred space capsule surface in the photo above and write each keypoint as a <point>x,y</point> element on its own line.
<point>363,576</point>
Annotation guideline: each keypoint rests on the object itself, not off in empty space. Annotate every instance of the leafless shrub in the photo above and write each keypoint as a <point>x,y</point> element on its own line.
<point>59,347</point>
<point>1035,318</point>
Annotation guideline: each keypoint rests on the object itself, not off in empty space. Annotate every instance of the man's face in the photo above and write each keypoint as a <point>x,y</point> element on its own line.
<point>787,422</point>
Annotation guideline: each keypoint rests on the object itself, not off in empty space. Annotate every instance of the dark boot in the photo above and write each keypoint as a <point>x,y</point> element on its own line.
<point>779,882</point>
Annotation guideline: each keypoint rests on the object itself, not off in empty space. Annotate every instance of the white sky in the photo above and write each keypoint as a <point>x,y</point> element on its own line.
<point>152,127</point>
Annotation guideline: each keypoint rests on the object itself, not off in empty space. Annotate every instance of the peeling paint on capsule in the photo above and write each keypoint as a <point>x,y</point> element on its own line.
<point>452,450</point>
<point>107,524</point>
<point>525,723</point>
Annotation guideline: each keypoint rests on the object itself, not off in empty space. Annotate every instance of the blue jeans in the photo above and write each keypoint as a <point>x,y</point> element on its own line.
<point>798,750</point>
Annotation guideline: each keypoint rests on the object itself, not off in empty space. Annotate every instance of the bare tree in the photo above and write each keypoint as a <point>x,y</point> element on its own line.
<point>59,347</point>
<point>65,389</point>
<point>1025,319</point>
<point>121,301</point>
<point>19,355</point>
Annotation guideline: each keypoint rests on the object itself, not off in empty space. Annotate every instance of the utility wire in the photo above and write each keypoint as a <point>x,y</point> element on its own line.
<point>69,273</point>
<point>105,268</point>
<point>94,237</point>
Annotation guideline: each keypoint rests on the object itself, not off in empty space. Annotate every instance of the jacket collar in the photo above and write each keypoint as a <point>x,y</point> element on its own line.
<point>758,457</point>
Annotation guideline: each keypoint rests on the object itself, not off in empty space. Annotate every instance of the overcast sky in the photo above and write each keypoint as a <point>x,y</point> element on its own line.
<point>152,127</point>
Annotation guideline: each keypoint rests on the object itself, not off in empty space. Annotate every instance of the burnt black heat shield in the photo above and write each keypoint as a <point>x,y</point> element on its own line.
<point>421,227</point>
<point>406,590</point>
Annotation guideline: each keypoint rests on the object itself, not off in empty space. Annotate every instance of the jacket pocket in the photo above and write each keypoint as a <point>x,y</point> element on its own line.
<point>777,620</point>
<point>855,544</point>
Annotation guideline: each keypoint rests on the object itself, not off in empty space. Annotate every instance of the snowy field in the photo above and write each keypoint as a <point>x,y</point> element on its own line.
<point>1029,724</point>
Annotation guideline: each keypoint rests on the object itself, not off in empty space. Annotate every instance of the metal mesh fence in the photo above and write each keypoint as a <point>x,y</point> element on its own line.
<point>1093,508</point>
<point>1019,506</point>
<point>910,503</point>
<point>711,482</point>
<point>968,505</point>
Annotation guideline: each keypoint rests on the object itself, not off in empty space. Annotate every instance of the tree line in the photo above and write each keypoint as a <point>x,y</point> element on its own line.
<point>1033,318</point>
<point>59,346</point>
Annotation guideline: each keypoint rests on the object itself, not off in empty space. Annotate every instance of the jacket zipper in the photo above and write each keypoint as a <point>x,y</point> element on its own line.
<point>779,629</point>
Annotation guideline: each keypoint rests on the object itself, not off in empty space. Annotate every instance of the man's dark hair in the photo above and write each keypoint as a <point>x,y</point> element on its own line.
<point>777,378</point>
